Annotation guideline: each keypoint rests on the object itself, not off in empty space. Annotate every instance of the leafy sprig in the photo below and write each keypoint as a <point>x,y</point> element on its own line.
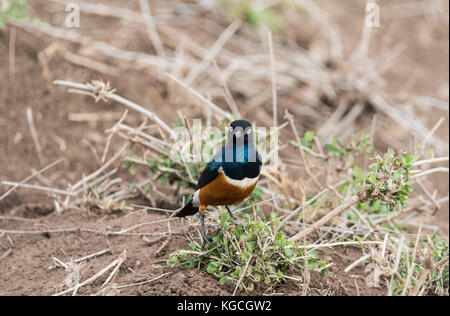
<point>254,253</point>
<point>387,181</point>
<point>16,9</point>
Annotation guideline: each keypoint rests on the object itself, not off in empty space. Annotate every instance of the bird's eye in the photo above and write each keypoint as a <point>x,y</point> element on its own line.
<point>249,131</point>
<point>231,128</point>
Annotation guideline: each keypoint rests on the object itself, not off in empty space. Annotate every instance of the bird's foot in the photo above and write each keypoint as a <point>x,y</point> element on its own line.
<point>206,241</point>
<point>232,216</point>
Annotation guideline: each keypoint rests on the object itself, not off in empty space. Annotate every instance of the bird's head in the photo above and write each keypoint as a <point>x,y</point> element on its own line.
<point>240,128</point>
<point>240,131</point>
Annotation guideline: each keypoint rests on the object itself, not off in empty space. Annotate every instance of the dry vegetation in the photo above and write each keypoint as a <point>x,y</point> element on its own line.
<point>357,206</point>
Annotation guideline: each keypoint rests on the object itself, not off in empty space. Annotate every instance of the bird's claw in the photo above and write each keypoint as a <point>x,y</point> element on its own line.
<point>206,241</point>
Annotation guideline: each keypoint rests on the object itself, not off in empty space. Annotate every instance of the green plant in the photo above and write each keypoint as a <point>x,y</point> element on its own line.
<point>253,253</point>
<point>386,185</point>
<point>353,150</point>
<point>336,149</point>
<point>439,279</point>
<point>431,266</point>
<point>12,9</point>
<point>165,170</point>
<point>382,188</point>
<point>306,141</point>
<point>254,15</point>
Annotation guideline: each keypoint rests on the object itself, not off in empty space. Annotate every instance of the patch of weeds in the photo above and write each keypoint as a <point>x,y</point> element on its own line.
<point>384,187</point>
<point>165,171</point>
<point>306,141</point>
<point>361,148</point>
<point>129,164</point>
<point>108,205</point>
<point>252,254</point>
<point>431,253</point>
<point>16,9</point>
<point>254,15</point>
<point>386,184</point>
<point>257,193</point>
<point>336,149</point>
<point>439,280</point>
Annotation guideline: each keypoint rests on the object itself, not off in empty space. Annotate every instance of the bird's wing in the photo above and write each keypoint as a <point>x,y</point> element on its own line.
<point>210,172</point>
<point>258,158</point>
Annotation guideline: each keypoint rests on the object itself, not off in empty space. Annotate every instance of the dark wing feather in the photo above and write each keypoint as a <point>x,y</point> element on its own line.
<point>210,172</point>
<point>187,210</point>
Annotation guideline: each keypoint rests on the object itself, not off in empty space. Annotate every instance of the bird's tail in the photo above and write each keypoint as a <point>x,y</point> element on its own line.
<point>187,210</point>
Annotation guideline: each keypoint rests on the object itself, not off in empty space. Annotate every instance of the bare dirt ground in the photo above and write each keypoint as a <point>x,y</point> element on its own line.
<point>27,267</point>
<point>35,274</point>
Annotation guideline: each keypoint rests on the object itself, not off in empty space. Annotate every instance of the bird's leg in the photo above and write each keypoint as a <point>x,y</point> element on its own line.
<point>231,215</point>
<point>205,238</point>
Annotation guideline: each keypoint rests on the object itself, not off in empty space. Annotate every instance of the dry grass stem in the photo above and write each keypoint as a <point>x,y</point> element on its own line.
<point>113,264</point>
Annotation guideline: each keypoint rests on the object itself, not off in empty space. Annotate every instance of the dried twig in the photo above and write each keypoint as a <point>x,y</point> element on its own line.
<point>412,265</point>
<point>290,118</point>
<point>93,255</point>
<point>356,263</point>
<point>274,82</point>
<point>6,254</point>
<point>151,28</point>
<point>430,171</point>
<point>34,136</point>
<point>12,63</point>
<point>143,282</point>
<point>29,178</point>
<point>112,131</point>
<point>215,49</point>
<point>207,102</point>
<point>101,169</point>
<point>301,207</point>
<point>113,264</point>
<point>242,276</point>
<point>338,210</point>
<point>98,90</point>
<point>37,187</point>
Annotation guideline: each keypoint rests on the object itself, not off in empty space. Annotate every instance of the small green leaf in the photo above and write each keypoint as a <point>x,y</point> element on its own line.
<point>309,136</point>
<point>223,280</point>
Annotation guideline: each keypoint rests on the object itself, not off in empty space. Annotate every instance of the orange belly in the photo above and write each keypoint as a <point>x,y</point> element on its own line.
<point>221,192</point>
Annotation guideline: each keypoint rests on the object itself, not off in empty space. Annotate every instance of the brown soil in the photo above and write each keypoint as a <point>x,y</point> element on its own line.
<point>28,269</point>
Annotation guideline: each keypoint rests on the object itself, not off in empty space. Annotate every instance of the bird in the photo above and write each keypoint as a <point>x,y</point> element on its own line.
<point>229,177</point>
